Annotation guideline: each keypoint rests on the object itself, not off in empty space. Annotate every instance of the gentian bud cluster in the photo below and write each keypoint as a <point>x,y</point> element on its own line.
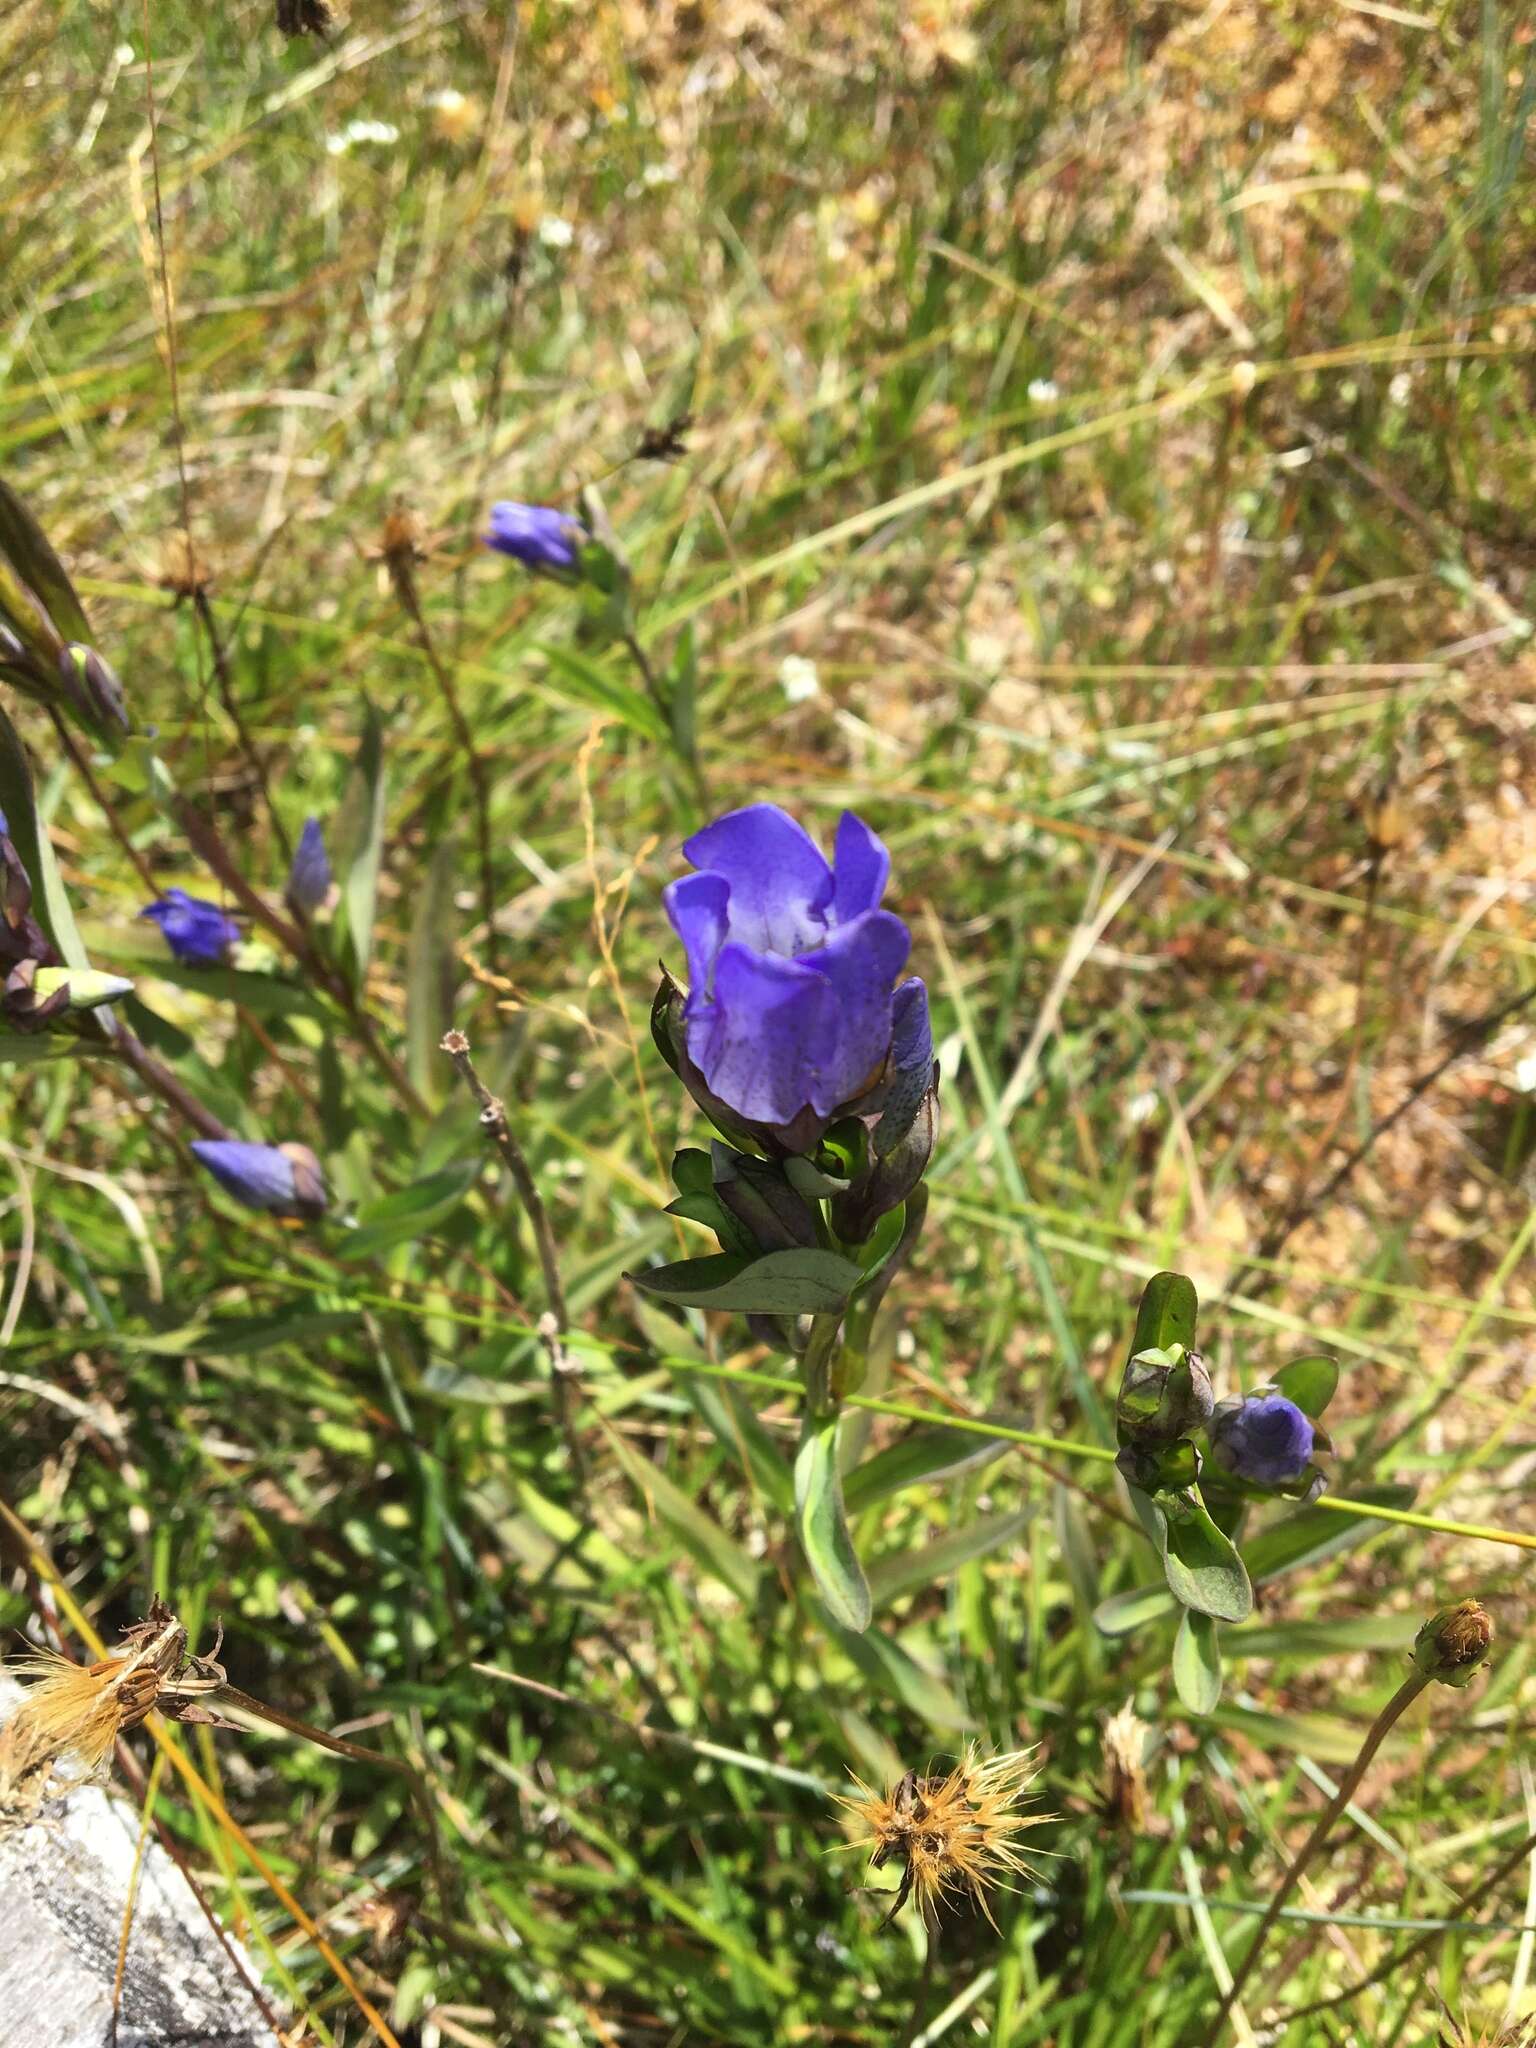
<point>38,989</point>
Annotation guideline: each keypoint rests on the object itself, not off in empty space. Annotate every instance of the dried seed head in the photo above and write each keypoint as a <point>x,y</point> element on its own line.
<point>955,1836</point>
<point>1452,1644</point>
<point>184,568</point>
<point>1125,1742</point>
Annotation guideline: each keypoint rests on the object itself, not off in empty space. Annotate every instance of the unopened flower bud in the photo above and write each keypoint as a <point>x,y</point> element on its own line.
<point>1266,1439</point>
<point>1452,1644</point>
<point>1163,1396</point>
<point>309,879</point>
<point>284,1180</point>
<point>93,687</point>
<point>87,988</point>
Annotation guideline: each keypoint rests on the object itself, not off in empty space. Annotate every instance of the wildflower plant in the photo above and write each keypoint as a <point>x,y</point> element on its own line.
<point>811,1053</point>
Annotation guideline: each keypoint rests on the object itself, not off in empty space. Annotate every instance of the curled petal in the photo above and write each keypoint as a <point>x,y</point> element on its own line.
<point>773,1027</point>
<point>698,908</point>
<point>860,962</point>
<point>911,1063</point>
<point>780,884</point>
<point>861,867</point>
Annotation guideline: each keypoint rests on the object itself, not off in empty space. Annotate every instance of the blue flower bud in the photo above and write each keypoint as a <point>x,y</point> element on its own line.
<point>794,1016</point>
<point>1266,1439</point>
<point>537,536</point>
<point>284,1180</point>
<point>198,932</point>
<point>309,879</point>
<point>93,688</point>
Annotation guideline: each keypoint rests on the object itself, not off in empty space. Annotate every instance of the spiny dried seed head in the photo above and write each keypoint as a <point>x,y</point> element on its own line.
<point>954,1835</point>
<point>1453,1643</point>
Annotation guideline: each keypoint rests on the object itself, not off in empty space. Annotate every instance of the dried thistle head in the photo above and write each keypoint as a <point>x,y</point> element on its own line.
<point>74,1713</point>
<point>1465,2033</point>
<point>402,546</point>
<point>1453,1643</point>
<point>1125,1790</point>
<point>184,568</point>
<point>954,1835</point>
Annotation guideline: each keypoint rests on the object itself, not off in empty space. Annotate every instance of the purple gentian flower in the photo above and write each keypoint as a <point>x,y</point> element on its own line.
<point>285,1180</point>
<point>1266,1439</point>
<point>537,536</point>
<point>198,932</point>
<point>793,1003</point>
<point>309,879</point>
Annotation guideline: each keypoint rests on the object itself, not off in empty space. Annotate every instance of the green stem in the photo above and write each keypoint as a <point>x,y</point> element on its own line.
<point>1375,1735</point>
<point>816,1365</point>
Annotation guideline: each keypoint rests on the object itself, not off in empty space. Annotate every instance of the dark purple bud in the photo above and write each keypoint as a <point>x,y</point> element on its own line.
<point>537,536</point>
<point>1266,1439</point>
<point>309,879</point>
<point>93,688</point>
<point>23,1006</point>
<point>198,933</point>
<point>21,936</point>
<point>791,1015</point>
<point>283,1180</point>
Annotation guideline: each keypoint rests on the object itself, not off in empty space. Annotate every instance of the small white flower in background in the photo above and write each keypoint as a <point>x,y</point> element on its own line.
<point>1043,390</point>
<point>660,174</point>
<point>556,233</point>
<point>1401,388</point>
<point>384,132</point>
<point>799,679</point>
<point>1141,1106</point>
<point>124,54</point>
<point>1525,1074</point>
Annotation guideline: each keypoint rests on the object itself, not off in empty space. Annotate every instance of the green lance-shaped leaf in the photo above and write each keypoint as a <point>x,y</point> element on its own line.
<point>788,1283</point>
<point>1166,1314</point>
<point>823,1525</point>
<point>429,975</point>
<point>1197,1661</point>
<point>410,1212</point>
<point>359,843</point>
<point>50,906</point>
<point>27,550</point>
<point>1310,1383</point>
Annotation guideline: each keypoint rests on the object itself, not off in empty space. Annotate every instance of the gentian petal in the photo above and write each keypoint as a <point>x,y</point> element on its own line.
<point>772,1028</point>
<point>538,536</point>
<point>780,883</point>
<point>860,962</point>
<point>697,906</point>
<point>197,932</point>
<point>861,867</point>
<point>260,1176</point>
<point>911,1062</point>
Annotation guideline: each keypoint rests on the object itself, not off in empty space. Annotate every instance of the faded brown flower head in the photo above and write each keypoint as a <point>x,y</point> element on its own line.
<point>1452,1644</point>
<point>955,1835</point>
<point>1125,1790</point>
<point>184,568</point>
<point>72,1714</point>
